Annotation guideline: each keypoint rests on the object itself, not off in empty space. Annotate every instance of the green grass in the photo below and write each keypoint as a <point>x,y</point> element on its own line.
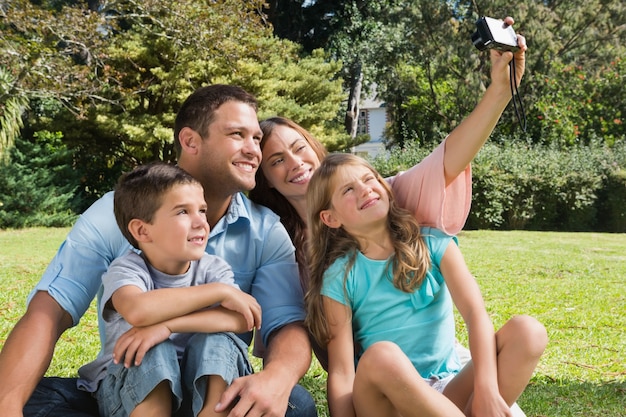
<point>574,283</point>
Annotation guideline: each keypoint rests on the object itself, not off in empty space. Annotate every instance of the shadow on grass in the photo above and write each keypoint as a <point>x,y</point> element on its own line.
<point>569,398</point>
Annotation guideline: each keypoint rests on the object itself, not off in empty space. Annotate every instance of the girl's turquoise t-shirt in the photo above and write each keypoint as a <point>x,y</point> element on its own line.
<point>420,323</point>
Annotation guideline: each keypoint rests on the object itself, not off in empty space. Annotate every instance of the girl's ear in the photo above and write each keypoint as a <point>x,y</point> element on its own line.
<point>139,230</point>
<point>328,218</point>
<point>189,140</point>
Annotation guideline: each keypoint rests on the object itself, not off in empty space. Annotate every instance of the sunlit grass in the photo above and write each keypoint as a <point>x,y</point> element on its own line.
<point>574,283</point>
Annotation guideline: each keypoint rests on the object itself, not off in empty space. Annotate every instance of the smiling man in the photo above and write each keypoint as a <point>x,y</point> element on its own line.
<point>217,137</point>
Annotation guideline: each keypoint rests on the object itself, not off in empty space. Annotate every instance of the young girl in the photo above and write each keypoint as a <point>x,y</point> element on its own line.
<point>382,288</point>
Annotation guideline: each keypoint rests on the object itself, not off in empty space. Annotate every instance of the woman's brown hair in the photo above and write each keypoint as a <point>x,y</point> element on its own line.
<point>270,197</point>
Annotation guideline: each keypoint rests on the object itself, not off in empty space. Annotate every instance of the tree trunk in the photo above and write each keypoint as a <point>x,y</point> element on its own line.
<point>354,99</point>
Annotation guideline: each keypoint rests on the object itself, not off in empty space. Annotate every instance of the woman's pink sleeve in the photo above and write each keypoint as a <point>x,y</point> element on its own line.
<point>423,191</point>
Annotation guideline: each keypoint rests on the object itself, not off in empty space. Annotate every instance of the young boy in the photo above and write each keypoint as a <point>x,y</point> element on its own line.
<point>160,354</point>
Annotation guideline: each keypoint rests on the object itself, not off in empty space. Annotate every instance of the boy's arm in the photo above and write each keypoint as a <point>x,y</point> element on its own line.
<point>28,351</point>
<point>144,308</point>
<point>482,341</point>
<point>465,140</point>
<point>135,343</point>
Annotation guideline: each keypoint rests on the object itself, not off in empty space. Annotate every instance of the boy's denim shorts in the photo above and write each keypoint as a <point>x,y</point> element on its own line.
<point>222,354</point>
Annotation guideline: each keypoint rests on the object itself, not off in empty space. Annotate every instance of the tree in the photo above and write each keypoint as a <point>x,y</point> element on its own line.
<point>351,31</point>
<point>12,105</point>
<point>420,56</point>
<point>132,63</point>
<point>37,187</point>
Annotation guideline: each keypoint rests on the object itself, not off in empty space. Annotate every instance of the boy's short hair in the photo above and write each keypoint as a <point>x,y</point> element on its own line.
<point>139,193</point>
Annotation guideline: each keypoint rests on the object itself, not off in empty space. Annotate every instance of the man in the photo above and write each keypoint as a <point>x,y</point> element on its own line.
<point>217,137</point>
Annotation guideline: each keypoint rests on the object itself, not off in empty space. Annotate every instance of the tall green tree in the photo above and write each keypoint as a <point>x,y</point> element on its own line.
<point>12,106</point>
<point>112,76</point>
<point>420,56</point>
<point>575,67</point>
<point>350,31</point>
<point>37,186</point>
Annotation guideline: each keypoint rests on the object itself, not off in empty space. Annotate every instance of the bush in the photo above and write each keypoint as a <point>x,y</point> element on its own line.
<point>611,208</point>
<point>538,187</point>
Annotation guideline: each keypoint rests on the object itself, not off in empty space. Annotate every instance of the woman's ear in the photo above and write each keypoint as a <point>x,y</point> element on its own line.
<point>139,230</point>
<point>189,140</point>
<point>328,218</point>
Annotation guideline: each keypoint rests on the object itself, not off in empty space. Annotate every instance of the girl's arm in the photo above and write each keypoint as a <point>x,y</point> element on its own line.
<point>340,359</point>
<point>482,341</point>
<point>132,346</point>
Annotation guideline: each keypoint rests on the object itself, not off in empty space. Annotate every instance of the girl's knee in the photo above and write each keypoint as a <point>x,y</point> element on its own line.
<point>382,357</point>
<point>381,352</point>
<point>527,333</point>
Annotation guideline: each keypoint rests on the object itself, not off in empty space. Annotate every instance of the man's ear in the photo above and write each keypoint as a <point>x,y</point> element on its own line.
<point>189,139</point>
<point>328,218</point>
<point>139,230</point>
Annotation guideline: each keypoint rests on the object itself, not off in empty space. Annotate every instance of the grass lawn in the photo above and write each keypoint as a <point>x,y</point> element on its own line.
<point>574,283</point>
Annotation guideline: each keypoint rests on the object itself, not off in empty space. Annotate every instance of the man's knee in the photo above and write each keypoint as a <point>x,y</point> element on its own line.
<point>60,397</point>
<point>301,403</point>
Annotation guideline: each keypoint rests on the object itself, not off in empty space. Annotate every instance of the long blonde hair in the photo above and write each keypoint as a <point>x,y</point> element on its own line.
<point>410,260</point>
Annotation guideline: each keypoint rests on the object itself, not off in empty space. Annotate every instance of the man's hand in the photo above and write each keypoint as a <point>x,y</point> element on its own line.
<point>133,345</point>
<point>259,394</point>
<point>267,392</point>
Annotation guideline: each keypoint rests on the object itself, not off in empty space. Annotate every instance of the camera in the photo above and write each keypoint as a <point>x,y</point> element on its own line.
<point>494,34</point>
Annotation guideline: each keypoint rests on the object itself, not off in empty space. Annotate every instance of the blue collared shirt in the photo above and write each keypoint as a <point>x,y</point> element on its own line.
<point>249,237</point>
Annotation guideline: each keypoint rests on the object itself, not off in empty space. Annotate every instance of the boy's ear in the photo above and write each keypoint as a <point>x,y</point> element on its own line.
<point>138,229</point>
<point>189,139</point>
<point>328,218</point>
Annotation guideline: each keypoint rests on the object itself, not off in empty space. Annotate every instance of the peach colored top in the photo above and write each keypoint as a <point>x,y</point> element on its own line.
<point>422,190</point>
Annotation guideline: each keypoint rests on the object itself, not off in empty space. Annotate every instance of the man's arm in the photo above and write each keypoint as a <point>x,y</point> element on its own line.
<point>59,299</point>
<point>28,351</point>
<point>276,286</point>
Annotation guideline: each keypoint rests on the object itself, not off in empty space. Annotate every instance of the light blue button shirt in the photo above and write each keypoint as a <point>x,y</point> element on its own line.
<point>249,237</point>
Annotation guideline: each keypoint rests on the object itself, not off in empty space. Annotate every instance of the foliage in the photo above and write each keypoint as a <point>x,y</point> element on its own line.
<point>132,63</point>
<point>37,185</point>
<point>419,55</point>
<point>590,106</point>
<point>400,159</point>
<point>538,187</point>
<point>11,107</point>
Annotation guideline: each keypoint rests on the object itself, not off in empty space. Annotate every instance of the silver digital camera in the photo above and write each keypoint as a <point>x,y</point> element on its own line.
<point>494,34</point>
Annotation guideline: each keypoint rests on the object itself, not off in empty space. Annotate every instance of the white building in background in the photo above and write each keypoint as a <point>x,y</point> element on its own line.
<point>372,120</point>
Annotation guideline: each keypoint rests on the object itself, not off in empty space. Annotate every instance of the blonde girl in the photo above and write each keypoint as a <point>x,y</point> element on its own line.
<point>382,288</point>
